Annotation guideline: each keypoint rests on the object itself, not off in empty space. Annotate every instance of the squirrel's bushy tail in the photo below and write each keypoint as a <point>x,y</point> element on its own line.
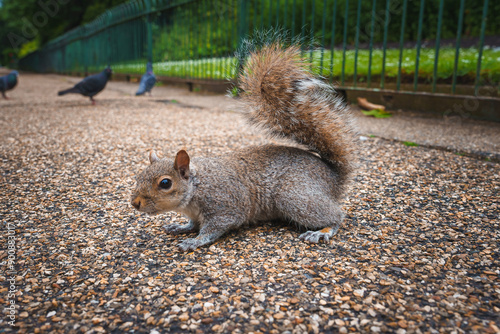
<point>286,98</point>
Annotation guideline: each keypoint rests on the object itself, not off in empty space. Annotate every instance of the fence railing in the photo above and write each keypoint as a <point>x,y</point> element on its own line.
<point>401,45</point>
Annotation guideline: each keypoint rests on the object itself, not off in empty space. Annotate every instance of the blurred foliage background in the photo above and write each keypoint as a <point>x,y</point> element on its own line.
<point>49,18</point>
<point>27,25</point>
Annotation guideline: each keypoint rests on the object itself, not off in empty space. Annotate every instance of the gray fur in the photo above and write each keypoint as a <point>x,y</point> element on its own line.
<point>247,187</point>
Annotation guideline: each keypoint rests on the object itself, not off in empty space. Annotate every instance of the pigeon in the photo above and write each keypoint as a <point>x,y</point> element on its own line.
<point>91,85</point>
<point>8,82</point>
<point>148,81</point>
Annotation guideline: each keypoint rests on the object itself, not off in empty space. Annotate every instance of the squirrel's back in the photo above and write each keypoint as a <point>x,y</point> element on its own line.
<point>256,178</point>
<point>285,97</point>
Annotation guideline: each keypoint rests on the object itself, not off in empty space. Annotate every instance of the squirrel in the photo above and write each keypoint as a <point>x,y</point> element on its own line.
<point>263,183</point>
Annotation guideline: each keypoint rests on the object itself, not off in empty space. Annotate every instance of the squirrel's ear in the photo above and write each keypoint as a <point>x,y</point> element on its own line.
<point>153,157</point>
<point>181,164</point>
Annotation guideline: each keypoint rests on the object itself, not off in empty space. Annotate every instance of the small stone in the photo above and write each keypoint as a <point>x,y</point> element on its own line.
<point>126,324</point>
<point>402,324</point>
<point>359,292</point>
<point>339,322</point>
<point>364,322</point>
<point>278,315</point>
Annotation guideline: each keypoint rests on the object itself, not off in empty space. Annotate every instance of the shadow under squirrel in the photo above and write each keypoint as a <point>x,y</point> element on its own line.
<point>267,182</point>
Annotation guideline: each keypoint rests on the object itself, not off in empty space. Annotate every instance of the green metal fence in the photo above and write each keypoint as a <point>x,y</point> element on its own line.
<point>361,44</point>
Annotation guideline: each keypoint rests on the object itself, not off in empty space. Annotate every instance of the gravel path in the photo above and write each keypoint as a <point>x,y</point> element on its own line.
<point>418,252</point>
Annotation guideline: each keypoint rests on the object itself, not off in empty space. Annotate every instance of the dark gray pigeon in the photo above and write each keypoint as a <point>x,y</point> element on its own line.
<point>91,85</point>
<point>8,82</point>
<point>148,81</point>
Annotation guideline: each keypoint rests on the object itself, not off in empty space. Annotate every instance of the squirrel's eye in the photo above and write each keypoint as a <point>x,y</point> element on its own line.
<point>165,184</point>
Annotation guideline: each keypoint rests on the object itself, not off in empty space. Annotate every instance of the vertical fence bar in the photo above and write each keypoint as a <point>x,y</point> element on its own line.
<point>344,43</point>
<point>384,53</point>
<point>277,13</point>
<point>481,46</point>
<point>243,26</point>
<point>207,42</point>
<point>254,26</point>
<point>228,41</point>
<point>149,30</point>
<point>213,50</point>
<point>85,51</point>
<point>192,42</point>
<point>185,32</point>
<point>220,43</point>
<point>311,42</point>
<point>198,43</point>
<point>457,46</point>
<point>293,17</point>
<point>401,41</point>
<point>356,44</point>
<point>270,15</point>
<point>235,27</point>
<point>302,32</point>
<point>109,48</point>
<point>370,55</point>
<point>419,43</point>
<point>242,20</point>
<point>332,41</point>
<point>262,14</point>
<point>438,41</point>
<point>323,23</point>
<point>285,14</point>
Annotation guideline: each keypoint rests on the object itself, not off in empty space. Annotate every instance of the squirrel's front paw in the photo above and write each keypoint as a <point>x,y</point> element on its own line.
<point>178,228</point>
<point>315,236</point>
<point>190,244</point>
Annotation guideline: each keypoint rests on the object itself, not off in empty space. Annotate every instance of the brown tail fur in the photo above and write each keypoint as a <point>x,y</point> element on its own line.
<point>287,99</point>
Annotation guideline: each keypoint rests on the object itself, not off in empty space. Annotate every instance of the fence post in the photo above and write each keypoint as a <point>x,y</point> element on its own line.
<point>149,31</point>
<point>242,27</point>
<point>107,23</point>
<point>481,46</point>
<point>242,20</point>
<point>85,51</point>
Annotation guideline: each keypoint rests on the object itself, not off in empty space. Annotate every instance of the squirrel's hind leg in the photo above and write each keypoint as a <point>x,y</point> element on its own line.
<point>315,236</point>
<point>320,214</point>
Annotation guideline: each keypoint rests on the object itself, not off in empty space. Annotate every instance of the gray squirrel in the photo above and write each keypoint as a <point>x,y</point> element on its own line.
<point>263,183</point>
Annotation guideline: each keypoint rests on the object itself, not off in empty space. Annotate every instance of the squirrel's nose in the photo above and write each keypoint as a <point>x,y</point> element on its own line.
<point>136,203</point>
